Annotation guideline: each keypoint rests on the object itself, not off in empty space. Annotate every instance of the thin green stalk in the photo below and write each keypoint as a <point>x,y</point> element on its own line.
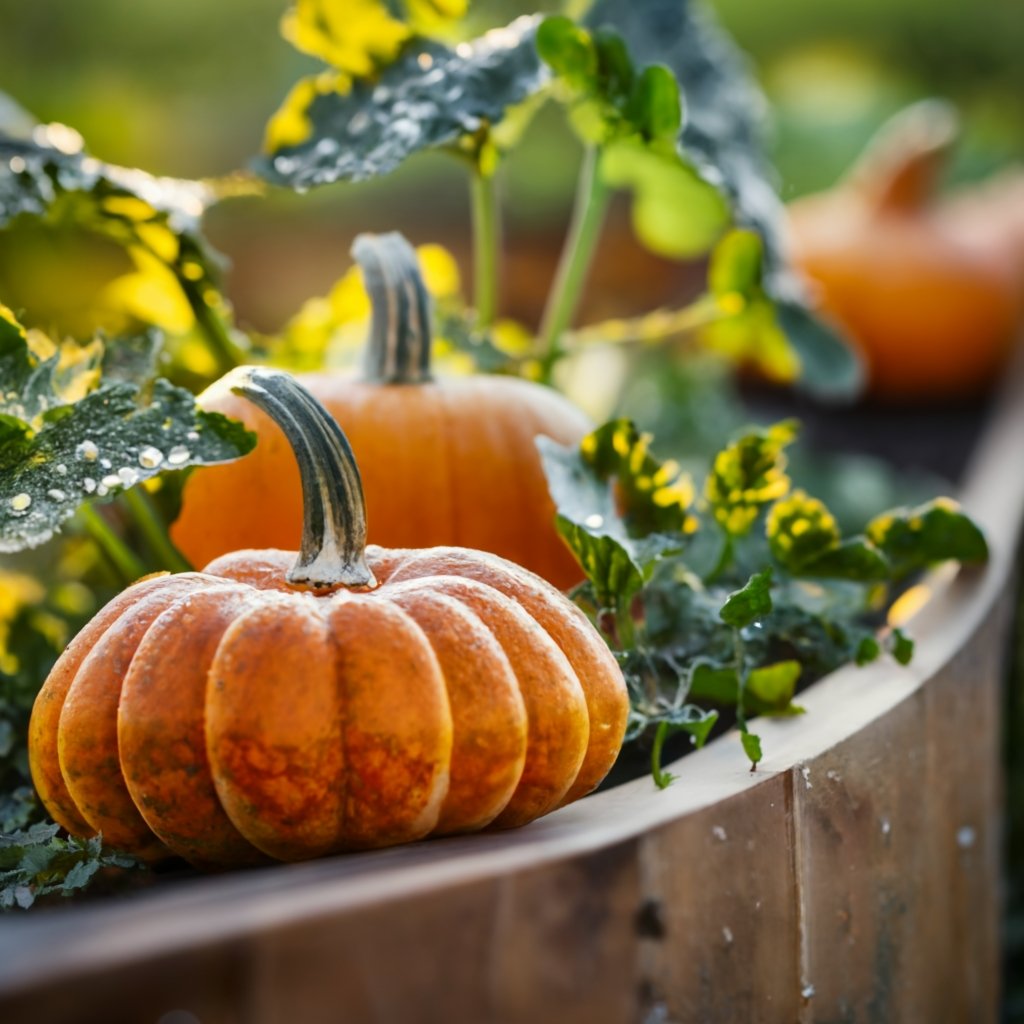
<point>724,558</point>
<point>153,529</point>
<point>486,246</point>
<point>662,778</point>
<point>227,353</point>
<point>128,564</point>
<point>741,681</point>
<point>592,197</point>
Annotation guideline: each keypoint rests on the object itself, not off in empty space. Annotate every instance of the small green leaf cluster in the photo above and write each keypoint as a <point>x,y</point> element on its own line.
<point>36,862</point>
<point>732,598</point>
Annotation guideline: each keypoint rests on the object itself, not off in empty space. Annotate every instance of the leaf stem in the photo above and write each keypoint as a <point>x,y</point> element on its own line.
<point>741,682</point>
<point>153,529</point>
<point>592,197</point>
<point>662,778</point>
<point>724,558</point>
<point>128,564</point>
<point>227,353</point>
<point>486,245</point>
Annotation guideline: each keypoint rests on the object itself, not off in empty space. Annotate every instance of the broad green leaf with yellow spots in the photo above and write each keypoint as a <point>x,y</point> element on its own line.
<point>914,538</point>
<point>620,510</point>
<point>749,474</point>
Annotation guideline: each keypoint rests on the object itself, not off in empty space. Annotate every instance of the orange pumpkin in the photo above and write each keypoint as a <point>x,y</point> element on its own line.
<point>365,697</point>
<point>932,300</point>
<point>444,461</point>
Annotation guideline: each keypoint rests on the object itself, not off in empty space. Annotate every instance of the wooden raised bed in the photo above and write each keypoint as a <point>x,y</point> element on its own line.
<point>854,877</point>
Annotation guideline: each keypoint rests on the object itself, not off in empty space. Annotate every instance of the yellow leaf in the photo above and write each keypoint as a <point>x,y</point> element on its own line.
<point>291,124</point>
<point>440,271</point>
<point>355,36</point>
<point>151,294</point>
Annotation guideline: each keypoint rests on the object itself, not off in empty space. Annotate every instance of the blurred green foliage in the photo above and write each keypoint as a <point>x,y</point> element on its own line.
<point>185,88</point>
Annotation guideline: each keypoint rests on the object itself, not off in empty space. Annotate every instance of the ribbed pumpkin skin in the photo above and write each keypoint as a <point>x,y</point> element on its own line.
<point>450,462</point>
<point>229,717</point>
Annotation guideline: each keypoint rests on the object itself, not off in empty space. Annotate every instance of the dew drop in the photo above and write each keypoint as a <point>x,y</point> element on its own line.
<point>965,837</point>
<point>56,494</point>
<point>127,475</point>
<point>87,450</point>
<point>88,485</point>
<point>21,502</point>
<point>150,457</point>
<point>464,50</point>
<point>359,122</point>
<point>106,463</point>
<point>110,480</point>
<point>594,521</point>
<point>62,470</point>
<point>425,61</point>
<point>17,164</point>
<point>192,435</point>
<point>178,455</point>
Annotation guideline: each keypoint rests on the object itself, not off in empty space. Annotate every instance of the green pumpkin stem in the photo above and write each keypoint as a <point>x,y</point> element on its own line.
<point>398,351</point>
<point>333,508</point>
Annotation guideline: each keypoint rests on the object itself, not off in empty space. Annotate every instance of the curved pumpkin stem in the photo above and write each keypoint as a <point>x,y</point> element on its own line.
<point>333,508</point>
<point>399,348</point>
<point>900,168</point>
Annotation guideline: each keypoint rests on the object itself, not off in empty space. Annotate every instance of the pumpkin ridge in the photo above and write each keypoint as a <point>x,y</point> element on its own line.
<point>557,720</point>
<point>161,725</point>
<point>488,712</point>
<point>277,761</point>
<point>397,738</point>
<point>593,662</point>
<point>87,745</point>
<point>49,702</point>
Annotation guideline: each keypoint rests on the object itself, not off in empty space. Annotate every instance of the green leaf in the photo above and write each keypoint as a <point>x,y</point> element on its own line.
<point>689,719</point>
<point>718,683</point>
<point>770,688</point>
<point>752,748</point>
<point>914,538</point>
<point>749,474</point>
<point>868,650</point>
<point>430,96</point>
<point>171,273</point>
<point>901,646</point>
<point>654,105</point>
<point>36,862</point>
<point>830,368</point>
<point>750,603</point>
<point>585,483</point>
<point>569,51</point>
<point>721,138</point>
<point>675,213</point>
<point>804,536</point>
<point>853,559</point>
<point>59,454</point>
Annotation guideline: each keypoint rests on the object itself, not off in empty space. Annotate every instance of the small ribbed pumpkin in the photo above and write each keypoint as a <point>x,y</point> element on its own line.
<point>361,698</point>
<point>445,460</point>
